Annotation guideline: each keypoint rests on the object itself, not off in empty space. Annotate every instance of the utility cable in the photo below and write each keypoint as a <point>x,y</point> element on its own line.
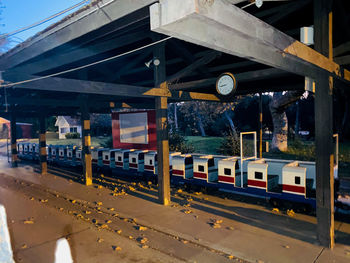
<point>42,21</point>
<point>85,66</point>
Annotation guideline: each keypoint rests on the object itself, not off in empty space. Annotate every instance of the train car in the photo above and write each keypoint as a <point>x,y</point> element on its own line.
<point>36,150</point>
<point>151,164</point>
<point>122,159</point>
<point>205,168</point>
<point>229,171</point>
<point>182,167</point>
<point>137,161</point>
<point>62,154</point>
<point>71,155</point>
<point>78,157</point>
<point>20,150</point>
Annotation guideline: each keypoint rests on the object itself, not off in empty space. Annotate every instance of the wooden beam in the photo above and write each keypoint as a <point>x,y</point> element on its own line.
<point>344,60</point>
<point>253,39</point>
<point>42,145</point>
<point>324,128</point>
<point>78,25</point>
<point>86,142</point>
<point>341,49</point>
<point>161,105</point>
<point>195,65</point>
<point>240,77</point>
<point>13,140</point>
<point>82,86</point>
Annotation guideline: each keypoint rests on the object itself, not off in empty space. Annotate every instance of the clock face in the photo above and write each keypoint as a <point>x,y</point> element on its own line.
<point>225,84</point>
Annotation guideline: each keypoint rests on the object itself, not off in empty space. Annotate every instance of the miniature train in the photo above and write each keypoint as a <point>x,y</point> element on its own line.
<point>294,181</point>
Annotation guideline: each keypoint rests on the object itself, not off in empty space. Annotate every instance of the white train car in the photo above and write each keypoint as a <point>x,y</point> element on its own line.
<point>205,168</point>
<point>263,174</point>
<point>122,158</point>
<point>137,160</point>
<point>229,170</point>
<point>182,166</point>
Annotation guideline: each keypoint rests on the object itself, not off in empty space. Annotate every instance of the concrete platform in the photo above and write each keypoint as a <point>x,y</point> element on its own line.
<point>196,228</point>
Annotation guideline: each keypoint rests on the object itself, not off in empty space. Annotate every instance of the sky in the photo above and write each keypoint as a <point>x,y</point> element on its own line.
<point>20,13</point>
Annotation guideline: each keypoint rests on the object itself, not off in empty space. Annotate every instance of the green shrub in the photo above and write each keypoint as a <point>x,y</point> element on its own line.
<point>177,143</point>
<point>108,143</point>
<point>72,135</point>
<point>231,145</point>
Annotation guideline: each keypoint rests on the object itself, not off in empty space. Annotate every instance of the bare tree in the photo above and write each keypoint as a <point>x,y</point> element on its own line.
<point>278,105</point>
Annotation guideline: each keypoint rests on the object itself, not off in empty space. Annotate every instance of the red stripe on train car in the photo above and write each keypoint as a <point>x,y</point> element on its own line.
<point>149,167</point>
<point>105,162</point>
<point>293,188</point>
<point>226,179</point>
<point>119,164</point>
<point>257,183</point>
<point>178,172</point>
<point>133,165</point>
<point>94,161</point>
<point>200,175</point>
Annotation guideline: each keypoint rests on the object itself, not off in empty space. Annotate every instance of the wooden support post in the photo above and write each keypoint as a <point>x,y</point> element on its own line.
<point>324,128</point>
<point>86,144</point>
<point>42,145</point>
<point>13,140</point>
<point>161,105</point>
<point>260,126</point>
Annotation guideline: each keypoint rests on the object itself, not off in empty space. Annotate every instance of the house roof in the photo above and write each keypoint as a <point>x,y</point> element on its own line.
<point>72,121</point>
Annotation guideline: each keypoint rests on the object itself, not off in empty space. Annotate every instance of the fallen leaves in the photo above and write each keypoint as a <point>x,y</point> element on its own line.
<point>100,240</point>
<point>141,228</point>
<point>28,222</point>
<point>275,210</point>
<point>116,248</point>
<point>290,212</point>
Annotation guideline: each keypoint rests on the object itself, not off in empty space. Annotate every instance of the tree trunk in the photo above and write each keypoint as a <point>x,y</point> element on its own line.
<point>200,124</point>
<point>175,117</point>
<point>232,125</point>
<point>278,105</point>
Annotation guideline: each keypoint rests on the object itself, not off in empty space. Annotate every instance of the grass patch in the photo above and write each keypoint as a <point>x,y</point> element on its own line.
<point>209,145</point>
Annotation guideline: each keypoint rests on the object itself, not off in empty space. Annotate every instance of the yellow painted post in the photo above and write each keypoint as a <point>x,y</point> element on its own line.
<point>13,141</point>
<point>161,105</point>
<point>42,145</point>
<point>86,144</point>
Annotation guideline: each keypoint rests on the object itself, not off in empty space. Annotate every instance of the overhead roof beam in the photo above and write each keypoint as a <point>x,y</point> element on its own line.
<point>89,19</point>
<point>82,86</point>
<point>225,27</point>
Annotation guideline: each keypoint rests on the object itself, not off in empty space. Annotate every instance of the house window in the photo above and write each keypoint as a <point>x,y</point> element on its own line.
<point>200,168</point>
<point>297,180</point>
<point>73,129</point>
<point>63,130</point>
<point>227,171</point>
<point>258,175</point>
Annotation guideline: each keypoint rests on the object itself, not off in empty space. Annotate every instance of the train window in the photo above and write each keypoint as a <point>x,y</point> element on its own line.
<point>141,156</point>
<point>258,175</point>
<point>237,166</point>
<point>133,160</point>
<point>297,180</point>
<point>150,162</point>
<point>112,154</point>
<point>155,158</point>
<point>211,163</point>
<point>106,157</point>
<point>200,168</point>
<point>119,158</point>
<point>227,171</point>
